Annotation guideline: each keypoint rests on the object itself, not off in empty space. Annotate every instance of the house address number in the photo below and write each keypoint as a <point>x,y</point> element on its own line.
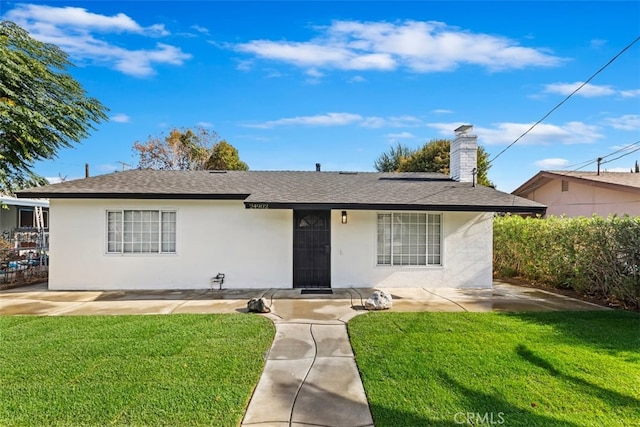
<point>257,206</point>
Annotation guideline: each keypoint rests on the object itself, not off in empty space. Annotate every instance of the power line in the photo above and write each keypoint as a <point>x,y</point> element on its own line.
<point>587,163</point>
<point>623,155</point>
<point>626,148</point>
<point>590,162</point>
<point>567,98</point>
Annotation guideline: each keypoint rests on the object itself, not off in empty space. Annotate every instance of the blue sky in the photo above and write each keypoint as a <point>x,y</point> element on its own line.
<point>291,84</point>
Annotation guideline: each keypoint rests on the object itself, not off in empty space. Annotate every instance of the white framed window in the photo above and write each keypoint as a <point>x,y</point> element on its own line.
<point>141,231</point>
<point>409,239</point>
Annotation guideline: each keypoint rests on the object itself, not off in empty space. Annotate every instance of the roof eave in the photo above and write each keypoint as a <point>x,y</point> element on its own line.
<point>146,196</point>
<point>398,207</point>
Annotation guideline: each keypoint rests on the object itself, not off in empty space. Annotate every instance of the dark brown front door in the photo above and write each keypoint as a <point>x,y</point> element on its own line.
<point>311,249</point>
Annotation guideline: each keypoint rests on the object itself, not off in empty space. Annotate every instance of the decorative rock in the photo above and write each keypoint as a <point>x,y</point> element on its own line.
<point>258,305</point>
<point>379,300</point>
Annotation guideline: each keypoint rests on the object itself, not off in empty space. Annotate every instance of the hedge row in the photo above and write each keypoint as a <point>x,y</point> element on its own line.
<point>596,256</point>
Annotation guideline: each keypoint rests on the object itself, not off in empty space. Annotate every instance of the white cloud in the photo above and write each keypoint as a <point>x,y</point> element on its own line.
<point>341,119</point>
<point>393,121</point>
<point>373,122</point>
<point>542,134</point>
<point>357,79</point>
<point>74,30</point>
<point>627,122</point>
<point>120,118</point>
<point>588,91</point>
<point>273,74</point>
<point>554,163</point>
<point>633,93</point>
<point>244,65</point>
<point>74,17</point>
<point>312,72</point>
<point>442,111</point>
<point>597,43</point>
<point>139,62</point>
<point>200,29</point>
<point>401,135</point>
<point>328,119</point>
<point>205,124</point>
<point>413,45</point>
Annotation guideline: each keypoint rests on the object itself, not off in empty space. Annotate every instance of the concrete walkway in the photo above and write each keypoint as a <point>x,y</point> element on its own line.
<point>310,376</point>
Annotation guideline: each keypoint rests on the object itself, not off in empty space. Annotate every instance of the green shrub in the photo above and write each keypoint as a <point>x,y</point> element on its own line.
<point>596,256</point>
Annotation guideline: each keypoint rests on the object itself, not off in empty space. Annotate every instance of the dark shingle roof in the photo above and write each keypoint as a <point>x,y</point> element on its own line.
<point>287,189</point>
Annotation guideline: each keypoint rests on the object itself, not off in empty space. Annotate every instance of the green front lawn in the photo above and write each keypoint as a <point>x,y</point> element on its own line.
<point>512,369</point>
<point>178,370</point>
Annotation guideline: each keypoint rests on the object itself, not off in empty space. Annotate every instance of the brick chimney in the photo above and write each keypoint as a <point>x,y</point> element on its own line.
<point>463,157</point>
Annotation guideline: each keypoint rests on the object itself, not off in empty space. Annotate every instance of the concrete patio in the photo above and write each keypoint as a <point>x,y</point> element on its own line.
<point>286,304</point>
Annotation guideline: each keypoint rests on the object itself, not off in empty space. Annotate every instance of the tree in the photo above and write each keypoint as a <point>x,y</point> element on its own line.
<point>188,149</point>
<point>180,150</point>
<point>390,162</point>
<point>431,157</point>
<point>225,157</point>
<point>42,108</point>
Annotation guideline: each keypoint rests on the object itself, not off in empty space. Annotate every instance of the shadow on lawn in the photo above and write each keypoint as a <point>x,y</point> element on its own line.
<point>388,417</point>
<point>476,408</point>
<point>613,397</point>
<point>613,330</point>
<point>483,404</point>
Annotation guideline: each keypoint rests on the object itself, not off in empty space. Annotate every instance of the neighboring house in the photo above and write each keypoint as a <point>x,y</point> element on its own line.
<point>19,215</point>
<point>584,193</point>
<point>146,229</point>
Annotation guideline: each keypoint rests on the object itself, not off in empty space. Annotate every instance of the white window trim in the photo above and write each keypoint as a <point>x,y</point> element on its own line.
<point>426,266</point>
<point>144,254</point>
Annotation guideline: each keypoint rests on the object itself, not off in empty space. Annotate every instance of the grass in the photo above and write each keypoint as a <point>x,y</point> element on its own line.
<point>515,369</point>
<point>178,370</point>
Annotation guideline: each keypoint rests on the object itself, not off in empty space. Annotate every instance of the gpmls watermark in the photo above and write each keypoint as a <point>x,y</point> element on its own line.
<point>478,419</point>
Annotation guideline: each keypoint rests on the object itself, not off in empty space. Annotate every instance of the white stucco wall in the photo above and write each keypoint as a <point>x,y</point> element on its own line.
<point>585,200</point>
<point>253,248</point>
<point>467,248</point>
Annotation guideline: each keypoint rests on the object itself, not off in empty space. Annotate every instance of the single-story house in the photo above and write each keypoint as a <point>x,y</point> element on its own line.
<point>584,193</point>
<point>20,214</point>
<point>148,229</point>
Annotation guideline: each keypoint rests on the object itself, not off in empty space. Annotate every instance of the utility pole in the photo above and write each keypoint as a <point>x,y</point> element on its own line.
<point>599,160</point>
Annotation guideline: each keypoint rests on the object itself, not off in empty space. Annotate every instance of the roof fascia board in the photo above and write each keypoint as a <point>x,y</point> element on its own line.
<point>146,196</point>
<point>398,207</point>
<point>11,201</point>
<point>537,181</point>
